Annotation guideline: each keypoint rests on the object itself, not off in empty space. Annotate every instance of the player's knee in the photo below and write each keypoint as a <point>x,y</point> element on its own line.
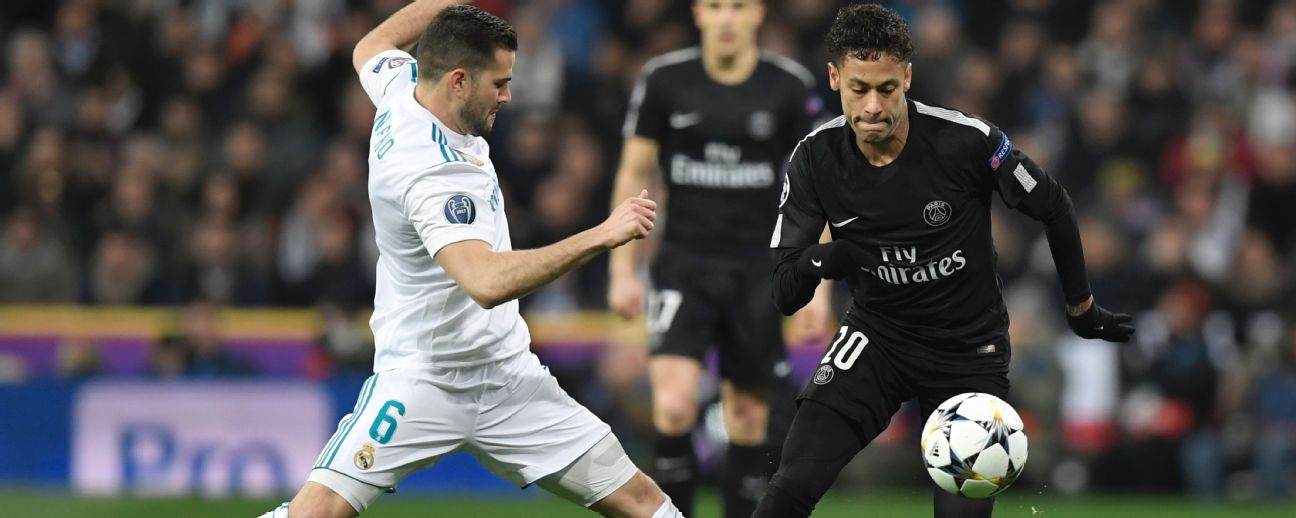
<point>640,496</point>
<point>746,419</point>
<point>803,480</point>
<point>674,414</point>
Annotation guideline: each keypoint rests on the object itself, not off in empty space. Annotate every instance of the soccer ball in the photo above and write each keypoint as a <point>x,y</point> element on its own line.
<point>974,445</point>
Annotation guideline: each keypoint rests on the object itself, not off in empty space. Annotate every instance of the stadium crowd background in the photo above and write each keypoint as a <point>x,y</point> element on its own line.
<point>207,154</point>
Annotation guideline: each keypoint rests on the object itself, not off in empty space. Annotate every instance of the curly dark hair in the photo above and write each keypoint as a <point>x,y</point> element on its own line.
<point>867,32</point>
<point>462,36</point>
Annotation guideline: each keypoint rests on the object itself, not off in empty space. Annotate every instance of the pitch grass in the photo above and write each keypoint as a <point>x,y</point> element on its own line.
<point>48,504</point>
<point>45,504</point>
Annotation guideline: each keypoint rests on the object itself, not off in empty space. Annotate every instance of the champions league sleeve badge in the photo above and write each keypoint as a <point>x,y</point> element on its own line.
<point>459,209</point>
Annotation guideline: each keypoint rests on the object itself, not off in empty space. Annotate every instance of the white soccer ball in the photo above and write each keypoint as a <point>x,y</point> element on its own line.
<point>974,445</point>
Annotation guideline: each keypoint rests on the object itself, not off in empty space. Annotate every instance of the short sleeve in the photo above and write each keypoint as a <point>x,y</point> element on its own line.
<point>801,217</point>
<point>648,111</point>
<point>445,207</point>
<point>388,69</point>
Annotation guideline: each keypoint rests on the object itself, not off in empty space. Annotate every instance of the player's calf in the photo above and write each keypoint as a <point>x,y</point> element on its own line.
<point>315,500</point>
<point>747,463</point>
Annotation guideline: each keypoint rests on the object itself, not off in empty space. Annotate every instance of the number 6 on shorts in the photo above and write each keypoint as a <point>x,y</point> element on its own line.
<point>376,431</point>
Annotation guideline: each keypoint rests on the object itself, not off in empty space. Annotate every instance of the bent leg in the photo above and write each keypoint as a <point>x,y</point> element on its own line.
<point>748,464</point>
<point>820,443</point>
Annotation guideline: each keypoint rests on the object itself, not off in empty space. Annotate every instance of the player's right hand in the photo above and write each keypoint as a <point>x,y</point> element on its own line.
<point>626,295</point>
<point>836,259</point>
<point>632,219</point>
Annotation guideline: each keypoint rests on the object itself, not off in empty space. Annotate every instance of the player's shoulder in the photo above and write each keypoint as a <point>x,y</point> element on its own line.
<point>822,138</point>
<point>673,63</point>
<point>789,68</point>
<point>948,123</point>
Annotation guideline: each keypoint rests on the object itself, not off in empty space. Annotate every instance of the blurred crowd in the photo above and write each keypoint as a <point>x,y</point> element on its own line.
<point>211,153</point>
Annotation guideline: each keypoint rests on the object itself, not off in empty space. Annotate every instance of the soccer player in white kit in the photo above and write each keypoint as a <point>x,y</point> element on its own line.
<point>452,368</point>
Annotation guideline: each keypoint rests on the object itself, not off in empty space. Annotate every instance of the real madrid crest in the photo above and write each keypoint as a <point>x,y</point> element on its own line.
<point>937,213</point>
<point>364,459</point>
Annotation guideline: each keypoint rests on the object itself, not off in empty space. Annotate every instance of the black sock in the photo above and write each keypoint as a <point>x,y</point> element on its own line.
<point>746,473</point>
<point>949,505</point>
<point>675,470</point>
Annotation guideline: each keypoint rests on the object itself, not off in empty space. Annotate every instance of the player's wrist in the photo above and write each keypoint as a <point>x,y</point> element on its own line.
<point>1081,308</point>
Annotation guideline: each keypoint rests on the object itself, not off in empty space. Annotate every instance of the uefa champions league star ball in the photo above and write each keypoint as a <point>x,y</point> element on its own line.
<point>974,445</point>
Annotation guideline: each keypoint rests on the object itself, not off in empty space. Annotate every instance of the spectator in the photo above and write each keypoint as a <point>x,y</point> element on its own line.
<point>34,266</point>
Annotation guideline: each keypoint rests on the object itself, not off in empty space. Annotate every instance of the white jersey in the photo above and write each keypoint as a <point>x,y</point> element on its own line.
<point>430,187</point>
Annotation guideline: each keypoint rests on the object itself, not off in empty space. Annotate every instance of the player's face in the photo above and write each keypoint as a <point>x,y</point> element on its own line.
<point>728,26</point>
<point>872,94</point>
<point>489,91</point>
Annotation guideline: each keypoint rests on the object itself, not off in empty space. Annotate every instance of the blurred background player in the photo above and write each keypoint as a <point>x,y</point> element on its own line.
<point>453,370</point>
<point>719,121</point>
<point>906,188</point>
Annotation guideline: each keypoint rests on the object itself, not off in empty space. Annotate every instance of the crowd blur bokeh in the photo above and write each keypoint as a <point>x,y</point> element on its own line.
<point>212,153</point>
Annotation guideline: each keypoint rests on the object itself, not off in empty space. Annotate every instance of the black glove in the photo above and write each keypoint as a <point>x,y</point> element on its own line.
<point>1100,323</point>
<point>832,260</point>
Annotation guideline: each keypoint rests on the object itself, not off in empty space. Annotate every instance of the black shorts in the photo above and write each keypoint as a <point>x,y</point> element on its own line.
<point>698,301</point>
<point>867,376</point>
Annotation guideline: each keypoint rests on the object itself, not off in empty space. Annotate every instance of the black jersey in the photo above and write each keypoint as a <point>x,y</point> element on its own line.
<point>923,220</point>
<point>721,146</point>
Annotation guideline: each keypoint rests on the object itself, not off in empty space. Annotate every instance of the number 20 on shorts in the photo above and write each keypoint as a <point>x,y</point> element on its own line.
<point>847,353</point>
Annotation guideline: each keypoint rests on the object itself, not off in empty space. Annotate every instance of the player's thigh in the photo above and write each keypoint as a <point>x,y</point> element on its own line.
<point>944,377</point>
<point>681,319</point>
<point>753,355</point>
<point>595,476</point>
<point>858,376</point>
<point>401,422</point>
<point>639,496</point>
<point>316,500</point>
<point>528,427</point>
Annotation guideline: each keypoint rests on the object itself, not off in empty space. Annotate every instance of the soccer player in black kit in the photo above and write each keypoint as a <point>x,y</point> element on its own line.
<point>906,188</point>
<point>719,121</point>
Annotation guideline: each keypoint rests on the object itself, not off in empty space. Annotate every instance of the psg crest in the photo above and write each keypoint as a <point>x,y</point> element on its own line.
<point>823,375</point>
<point>936,213</point>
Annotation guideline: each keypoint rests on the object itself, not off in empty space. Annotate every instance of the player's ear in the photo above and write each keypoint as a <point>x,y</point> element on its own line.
<point>908,76</point>
<point>834,78</point>
<point>457,81</point>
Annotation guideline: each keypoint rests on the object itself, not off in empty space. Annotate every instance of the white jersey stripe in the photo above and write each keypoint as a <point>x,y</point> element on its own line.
<point>953,116</point>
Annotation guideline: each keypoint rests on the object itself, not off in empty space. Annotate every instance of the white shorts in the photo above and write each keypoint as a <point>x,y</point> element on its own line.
<point>511,415</point>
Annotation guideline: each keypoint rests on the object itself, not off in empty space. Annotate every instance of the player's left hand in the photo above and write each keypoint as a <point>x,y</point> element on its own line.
<point>1097,322</point>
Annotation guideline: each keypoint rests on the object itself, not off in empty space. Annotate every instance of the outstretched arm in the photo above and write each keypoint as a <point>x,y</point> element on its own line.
<point>1025,186</point>
<point>400,30</point>
<point>492,278</point>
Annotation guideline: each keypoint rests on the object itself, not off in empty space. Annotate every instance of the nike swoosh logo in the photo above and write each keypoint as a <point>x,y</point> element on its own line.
<point>684,120</point>
<point>842,223</point>
<point>817,264</point>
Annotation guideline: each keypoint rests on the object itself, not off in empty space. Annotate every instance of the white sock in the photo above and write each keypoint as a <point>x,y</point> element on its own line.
<point>667,510</point>
<point>282,512</point>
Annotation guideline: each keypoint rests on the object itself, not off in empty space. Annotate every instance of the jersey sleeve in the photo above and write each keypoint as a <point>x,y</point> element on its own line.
<point>648,111</point>
<point>388,69</point>
<point>445,206</point>
<point>1025,186</point>
<point>801,217</point>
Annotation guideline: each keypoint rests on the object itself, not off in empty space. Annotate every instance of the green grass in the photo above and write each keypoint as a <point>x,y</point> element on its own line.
<point>43,504</point>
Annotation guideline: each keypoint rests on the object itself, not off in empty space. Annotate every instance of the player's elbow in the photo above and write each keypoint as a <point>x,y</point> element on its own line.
<point>487,298</point>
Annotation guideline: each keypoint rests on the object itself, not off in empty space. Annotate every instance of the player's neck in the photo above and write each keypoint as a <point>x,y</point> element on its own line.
<point>731,70</point>
<point>435,102</point>
<point>882,153</point>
